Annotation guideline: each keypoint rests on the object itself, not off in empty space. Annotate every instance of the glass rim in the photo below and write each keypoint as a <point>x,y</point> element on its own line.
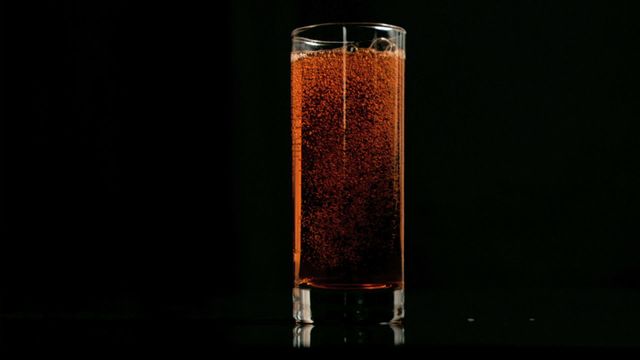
<point>375,25</point>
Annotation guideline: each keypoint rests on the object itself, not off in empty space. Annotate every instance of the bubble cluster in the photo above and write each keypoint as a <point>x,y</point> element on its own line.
<point>347,108</point>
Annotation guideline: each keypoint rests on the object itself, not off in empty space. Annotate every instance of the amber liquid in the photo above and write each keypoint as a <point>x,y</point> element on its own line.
<point>347,110</point>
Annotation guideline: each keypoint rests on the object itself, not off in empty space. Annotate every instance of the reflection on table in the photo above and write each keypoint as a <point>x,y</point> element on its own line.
<point>308,335</point>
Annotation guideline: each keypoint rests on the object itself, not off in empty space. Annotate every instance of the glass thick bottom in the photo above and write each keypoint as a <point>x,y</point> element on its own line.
<point>370,306</point>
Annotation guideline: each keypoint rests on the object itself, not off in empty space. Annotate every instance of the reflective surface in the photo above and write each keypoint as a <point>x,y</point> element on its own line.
<point>517,320</point>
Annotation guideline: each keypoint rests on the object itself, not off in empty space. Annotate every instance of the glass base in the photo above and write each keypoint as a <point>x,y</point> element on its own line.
<point>381,306</point>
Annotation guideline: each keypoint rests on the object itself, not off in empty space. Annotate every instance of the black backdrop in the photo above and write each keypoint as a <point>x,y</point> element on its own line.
<point>146,149</point>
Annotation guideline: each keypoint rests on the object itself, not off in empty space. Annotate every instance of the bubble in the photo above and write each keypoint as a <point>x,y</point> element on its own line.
<point>382,44</point>
<point>348,151</point>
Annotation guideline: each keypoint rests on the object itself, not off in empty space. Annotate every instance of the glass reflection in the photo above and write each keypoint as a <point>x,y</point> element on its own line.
<point>302,336</point>
<point>308,335</point>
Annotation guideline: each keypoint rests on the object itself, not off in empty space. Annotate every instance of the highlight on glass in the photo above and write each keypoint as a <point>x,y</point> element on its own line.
<point>347,106</point>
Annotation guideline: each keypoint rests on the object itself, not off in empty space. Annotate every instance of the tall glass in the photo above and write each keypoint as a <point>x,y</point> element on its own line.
<point>347,104</point>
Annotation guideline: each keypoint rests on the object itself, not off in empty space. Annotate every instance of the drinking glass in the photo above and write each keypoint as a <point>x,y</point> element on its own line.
<point>347,106</point>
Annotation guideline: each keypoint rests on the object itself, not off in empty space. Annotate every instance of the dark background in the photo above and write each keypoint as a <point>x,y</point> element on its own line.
<point>146,152</point>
